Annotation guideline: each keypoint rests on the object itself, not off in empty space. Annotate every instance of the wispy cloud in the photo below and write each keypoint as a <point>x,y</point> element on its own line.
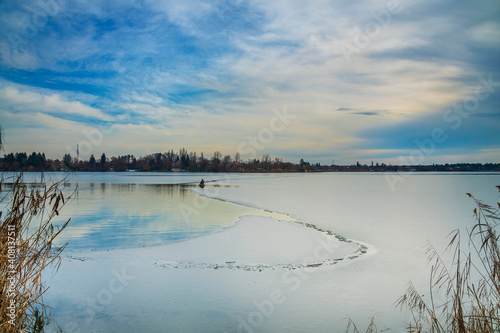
<point>18,101</point>
<point>206,75</point>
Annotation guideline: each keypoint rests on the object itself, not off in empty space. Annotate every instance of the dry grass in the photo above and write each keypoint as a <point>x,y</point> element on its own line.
<point>470,285</point>
<point>27,248</point>
<point>372,328</point>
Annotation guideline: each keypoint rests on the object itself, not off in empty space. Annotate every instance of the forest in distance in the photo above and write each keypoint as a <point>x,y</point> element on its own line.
<point>171,161</point>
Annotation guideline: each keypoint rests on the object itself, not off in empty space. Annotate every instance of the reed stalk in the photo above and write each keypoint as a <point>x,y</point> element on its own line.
<point>470,285</point>
<point>27,248</point>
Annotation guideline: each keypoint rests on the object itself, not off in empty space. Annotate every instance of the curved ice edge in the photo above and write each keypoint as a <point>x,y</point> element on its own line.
<point>363,249</point>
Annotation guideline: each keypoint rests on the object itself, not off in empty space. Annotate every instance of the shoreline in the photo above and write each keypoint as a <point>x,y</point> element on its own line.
<point>285,219</point>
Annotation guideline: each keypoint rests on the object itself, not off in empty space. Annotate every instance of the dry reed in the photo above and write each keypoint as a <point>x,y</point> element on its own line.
<point>470,285</point>
<point>26,249</point>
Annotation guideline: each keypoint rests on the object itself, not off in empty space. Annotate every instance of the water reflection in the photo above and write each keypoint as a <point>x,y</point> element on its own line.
<point>117,215</point>
<point>131,215</point>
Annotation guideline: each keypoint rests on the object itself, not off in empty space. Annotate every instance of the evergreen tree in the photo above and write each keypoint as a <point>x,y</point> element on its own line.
<point>22,159</point>
<point>67,160</point>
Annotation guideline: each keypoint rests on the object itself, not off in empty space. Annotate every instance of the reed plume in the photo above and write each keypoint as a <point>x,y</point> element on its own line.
<point>27,248</point>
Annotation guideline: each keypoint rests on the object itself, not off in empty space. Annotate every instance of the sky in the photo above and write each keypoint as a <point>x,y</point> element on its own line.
<point>397,81</point>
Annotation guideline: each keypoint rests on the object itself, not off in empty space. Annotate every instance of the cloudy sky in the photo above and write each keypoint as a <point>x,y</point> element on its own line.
<point>388,81</point>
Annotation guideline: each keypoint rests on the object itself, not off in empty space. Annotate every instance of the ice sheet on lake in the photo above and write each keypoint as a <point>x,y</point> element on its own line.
<point>255,243</point>
<point>161,298</point>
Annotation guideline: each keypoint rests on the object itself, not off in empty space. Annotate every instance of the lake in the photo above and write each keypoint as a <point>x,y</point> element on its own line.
<point>137,210</point>
<point>119,210</point>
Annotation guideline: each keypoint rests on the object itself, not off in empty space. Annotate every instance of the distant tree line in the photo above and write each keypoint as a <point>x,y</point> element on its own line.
<point>194,162</point>
<point>167,161</point>
<point>21,161</point>
<point>382,167</point>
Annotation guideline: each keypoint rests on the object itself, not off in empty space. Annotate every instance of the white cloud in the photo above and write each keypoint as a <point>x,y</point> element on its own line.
<point>30,102</point>
<point>184,13</point>
<point>286,54</point>
<point>487,33</point>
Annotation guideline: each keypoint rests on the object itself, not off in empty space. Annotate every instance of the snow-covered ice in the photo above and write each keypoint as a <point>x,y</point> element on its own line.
<point>271,271</point>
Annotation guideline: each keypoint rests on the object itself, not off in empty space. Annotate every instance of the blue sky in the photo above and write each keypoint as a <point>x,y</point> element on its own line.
<point>355,80</point>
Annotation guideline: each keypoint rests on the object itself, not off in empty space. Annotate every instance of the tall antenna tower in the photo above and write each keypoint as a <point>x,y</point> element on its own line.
<point>77,153</point>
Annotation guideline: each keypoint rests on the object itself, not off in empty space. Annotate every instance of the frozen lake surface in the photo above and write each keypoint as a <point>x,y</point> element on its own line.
<point>252,252</point>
